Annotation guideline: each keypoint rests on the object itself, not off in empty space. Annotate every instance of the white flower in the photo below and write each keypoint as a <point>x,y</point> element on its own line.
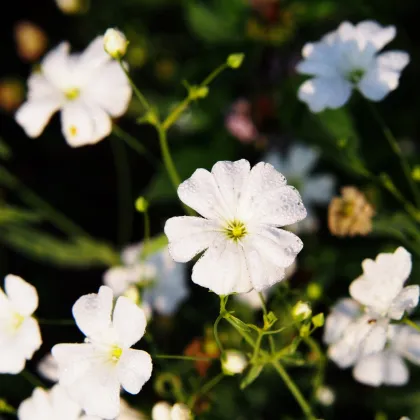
<point>49,405</point>
<point>348,59</point>
<point>48,368</point>
<point>115,43</point>
<point>301,311</point>
<point>89,88</point>
<point>126,413</point>
<point>94,372</point>
<point>381,286</point>
<point>233,362</point>
<point>325,395</point>
<point>162,281</point>
<point>242,210</point>
<point>163,411</point>
<point>252,298</point>
<point>388,367</point>
<point>315,189</point>
<point>353,334</point>
<point>20,337</point>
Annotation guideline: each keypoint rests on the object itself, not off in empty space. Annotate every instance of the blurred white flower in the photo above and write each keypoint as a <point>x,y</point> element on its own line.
<point>70,6</point>
<point>126,413</point>
<point>325,395</point>
<point>162,281</point>
<point>115,43</point>
<point>315,189</point>
<point>252,298</point>
<point>388,367</point>
<point>49,405</point>
<point>348,59</point>
<point>48,368</point>
<point>89,88</point>
<point>233,362</point>
<point>241,209</point>
<point>20,337</point>
<point>381,286</point>
<point>164,411</point>
<point>94,372</point>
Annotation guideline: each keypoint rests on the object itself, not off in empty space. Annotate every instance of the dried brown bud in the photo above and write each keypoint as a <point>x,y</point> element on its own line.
<point>12,94</point>
<point>31,40</point>
<point>351,214</point>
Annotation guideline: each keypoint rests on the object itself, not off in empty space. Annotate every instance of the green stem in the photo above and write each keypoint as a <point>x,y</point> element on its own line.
<point>60,322</point>
<point>306,408</point>
<point>319,377</point>
<point>411,323</point>
<point>205,389</point>
<point>32,379</point>
<point>396,149</point>
<point>216,334</point>
<point>265,312</point>
<point>190,358</point>
<point>146,239</point>
<point>125,208</point>
<point>58,219</point>
<point>132,142</point>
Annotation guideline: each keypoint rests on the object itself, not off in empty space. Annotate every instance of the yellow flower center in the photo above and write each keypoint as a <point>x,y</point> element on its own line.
<point>17,321</point>
<point>72,93</point>
<point>116,353</point>
<point>73,130</point>
<point>235,230</point>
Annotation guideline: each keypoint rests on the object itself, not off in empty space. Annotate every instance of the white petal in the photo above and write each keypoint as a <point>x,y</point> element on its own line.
<point>321,93</point>
<point>341,316</point>
<point>231,177</point>
<point>91,60</point>
<point>29,337</point>
<point>64,408</point>
<point>393,60</point>
<point>278,246</point>
<point>378,82</point>
<point>92,312</point>
<point>222,269</point>
<point>84,123</point>
<point>406,341</point>
<point>318,189</point>
<point>57,67</point>
<point>406,300</point>
<point>21,294</point>
<point>134,370</point>
<point>12,359</point>
<point>268,200</point>
<point>129,322</point>
<point>35,114</point>
<point>48,368</point>
<point>131,254</point>
<point>376,34</point>
<point>201,193</point>
<point>319,60</point>
<point>36,407</point>
<point>118,279</point>
<point>371,370</point>
<point>188,236</point>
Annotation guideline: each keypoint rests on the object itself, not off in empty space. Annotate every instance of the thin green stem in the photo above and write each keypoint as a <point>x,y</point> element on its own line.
<point>265,312</point>
<point>396,149</point>
<point>146,239</point>
<point>319,377</point>
<point>216,333</point>
<point>205,389</point>
<point>306,408</point>
<point>411,323</point>
<point>179,357</point>
<point>32,379</point>
<point>136,91</point>
<point>132,142</point>
<point>58,219</point>
<point>60,322</point>
<point>213,74</point>
<point>125,207</point>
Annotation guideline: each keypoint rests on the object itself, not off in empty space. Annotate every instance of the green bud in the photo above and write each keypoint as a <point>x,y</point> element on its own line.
<point>314,291</point>
<point>301,311</point>
<point>269,320</point>
<point>318,320</point>
<point>234,61</point>
<point>416,173</point>
<point>141,204</point>
<point>305,330</point>
<point>198,92</point>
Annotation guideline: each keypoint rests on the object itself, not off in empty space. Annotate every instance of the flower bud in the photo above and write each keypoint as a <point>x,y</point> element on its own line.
<point>180,412</point>
<point>141,204</point>
<point>301,311</point>
<point>325,395</point>
<point>115,43</point>
<point>233,362</point>
<point>234,61</point>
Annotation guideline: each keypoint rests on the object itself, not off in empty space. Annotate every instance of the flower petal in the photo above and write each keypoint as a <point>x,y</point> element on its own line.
<point>406,341</point>
<point>35,114</point>
<point>376,34</point>
<point>134,370</point>
<point>92,312</point>
<point>378,82</point>
<point>22,295</point>
<point>319,60</point>
<point>406,300</point>
<point>129,322</point>
<point>57,68</point>
<point>321,93</point>
<point>393,60</point>
<point>188,236</point>
<point>36,407</point>
<point>223,269</point>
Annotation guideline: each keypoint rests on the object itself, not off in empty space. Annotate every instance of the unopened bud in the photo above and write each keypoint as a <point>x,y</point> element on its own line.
<point>141,204</point>
<point>115,43</point>
<point>234,61</point>
<point>180,412</point>
<point>301,311</point>
<point>325,395</point>
<point>318,320</point>
<point>233,362</point>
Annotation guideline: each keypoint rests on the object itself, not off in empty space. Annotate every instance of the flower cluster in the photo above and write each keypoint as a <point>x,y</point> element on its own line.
<point>359,330</point>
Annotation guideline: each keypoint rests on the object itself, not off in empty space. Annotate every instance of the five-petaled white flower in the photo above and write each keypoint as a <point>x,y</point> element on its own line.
<point>242,210</point>
<point>388,367</point>
<point>20,337</point>
<point>164,411</point>
<point>315,189</point>
<point>162,281</point>
<point>94,372</point>
<point>348,59</point>
<point>89,88</point>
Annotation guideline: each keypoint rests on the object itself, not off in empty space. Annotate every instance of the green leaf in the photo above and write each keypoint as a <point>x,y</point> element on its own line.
<point>318,320</point>
<point>250,377</point>
<point>6,408</point>
<point>239,324</point>
<point>76,253</point>
<point>9,214</point>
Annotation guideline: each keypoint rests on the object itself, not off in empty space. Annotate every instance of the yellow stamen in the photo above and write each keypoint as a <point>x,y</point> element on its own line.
<point>72,93</point>
<point>236,230</point>
<point>116,353</point>
<point>73,130</point>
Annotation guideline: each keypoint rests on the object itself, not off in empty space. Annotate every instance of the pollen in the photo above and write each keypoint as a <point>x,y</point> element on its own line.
<point>73,130</point>
<point>116,353</point>
<point>72,93</point>
<point>236,230</point>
